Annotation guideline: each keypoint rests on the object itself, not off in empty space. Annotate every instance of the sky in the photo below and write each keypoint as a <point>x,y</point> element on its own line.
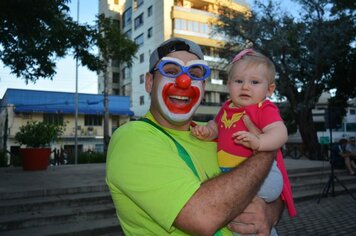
<point>64,80</point>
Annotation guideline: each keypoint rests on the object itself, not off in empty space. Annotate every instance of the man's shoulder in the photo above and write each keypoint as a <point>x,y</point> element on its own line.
<point>138,130</point>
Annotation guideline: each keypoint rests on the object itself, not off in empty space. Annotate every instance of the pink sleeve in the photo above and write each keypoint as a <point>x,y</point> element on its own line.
<point>269,114</point>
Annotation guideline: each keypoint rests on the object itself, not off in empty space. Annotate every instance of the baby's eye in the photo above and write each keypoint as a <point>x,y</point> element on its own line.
<point>255,82</point>
<point>238,81</point>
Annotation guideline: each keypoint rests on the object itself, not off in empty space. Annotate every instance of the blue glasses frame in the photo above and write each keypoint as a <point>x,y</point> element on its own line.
<point>184,69</point>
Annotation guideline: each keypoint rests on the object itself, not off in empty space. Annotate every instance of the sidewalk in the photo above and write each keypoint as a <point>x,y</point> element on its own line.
<point>14,179</point>
<point>332,216</point>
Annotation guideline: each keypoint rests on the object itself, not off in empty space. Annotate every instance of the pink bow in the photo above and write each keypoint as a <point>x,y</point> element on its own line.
<point>241,54</point>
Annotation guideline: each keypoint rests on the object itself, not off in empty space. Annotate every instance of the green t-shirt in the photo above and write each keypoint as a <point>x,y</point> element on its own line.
<point>149,182</point>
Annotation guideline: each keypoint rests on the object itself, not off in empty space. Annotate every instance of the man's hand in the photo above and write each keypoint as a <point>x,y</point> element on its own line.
<point>250,125</point>
<point>253,220</point>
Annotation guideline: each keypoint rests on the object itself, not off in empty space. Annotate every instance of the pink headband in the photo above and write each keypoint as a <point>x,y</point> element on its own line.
<point>241,54</point>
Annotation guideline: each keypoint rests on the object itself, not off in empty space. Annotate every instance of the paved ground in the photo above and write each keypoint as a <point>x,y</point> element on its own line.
<point>15,180</point>
<point>332,216</point>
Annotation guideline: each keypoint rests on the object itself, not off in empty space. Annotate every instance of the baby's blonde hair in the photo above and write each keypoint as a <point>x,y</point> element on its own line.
<point>253,58</point>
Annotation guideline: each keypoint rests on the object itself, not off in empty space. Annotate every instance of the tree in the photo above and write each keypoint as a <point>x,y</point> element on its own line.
<point>113,45</point>
<point>311,53</point>
<point>34,33</point>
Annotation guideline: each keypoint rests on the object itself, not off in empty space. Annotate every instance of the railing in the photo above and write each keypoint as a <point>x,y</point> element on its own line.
<point>298,151</point>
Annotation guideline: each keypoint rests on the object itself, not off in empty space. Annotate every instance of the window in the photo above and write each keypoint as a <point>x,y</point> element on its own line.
<point>55,119</point>
<point>93,120</point>
<point>142,100</point>
<point>352,111</point>
<point>123,73</point>
<point>139,21</point>
<point>128,34</point>
<point>351,127</point>
<point>137,3</point>
<point>99,147</point>
<point>190,25</point>
<point>126,16</point>
<point>116,91</point>
<point>139,40</point>
<point>142,78</point>
<point>149,11</point>
<point>117,23</point>
<point>115,77</point>
<point>26,115</point>
<point>142,58</point>
<point>149,32</point>
<point>193,26</point>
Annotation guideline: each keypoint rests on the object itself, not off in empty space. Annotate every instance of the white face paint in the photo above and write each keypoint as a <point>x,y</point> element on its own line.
<point>168,111</point>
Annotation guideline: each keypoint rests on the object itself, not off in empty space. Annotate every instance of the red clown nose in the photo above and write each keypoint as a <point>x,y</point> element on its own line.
<point>183,81</point>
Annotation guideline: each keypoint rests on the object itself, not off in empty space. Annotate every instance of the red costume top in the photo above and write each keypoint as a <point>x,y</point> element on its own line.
<point>231,154</point>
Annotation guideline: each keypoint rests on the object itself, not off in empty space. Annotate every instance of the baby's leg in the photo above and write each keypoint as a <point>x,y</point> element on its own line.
<point>271,189</point>
<point>272,186</point>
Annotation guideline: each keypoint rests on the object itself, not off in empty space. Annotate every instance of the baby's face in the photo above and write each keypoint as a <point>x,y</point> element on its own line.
<point>248,84</point>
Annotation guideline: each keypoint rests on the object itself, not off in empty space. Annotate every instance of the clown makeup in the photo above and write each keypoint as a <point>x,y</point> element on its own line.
<point>179,97</point>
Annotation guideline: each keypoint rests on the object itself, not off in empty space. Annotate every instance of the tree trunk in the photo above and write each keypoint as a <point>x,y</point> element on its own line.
<point>309,135</point>
<point>106,113</point>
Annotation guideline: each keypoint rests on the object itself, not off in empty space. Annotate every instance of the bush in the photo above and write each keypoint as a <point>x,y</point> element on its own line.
<point>38,134</point>
<point>3,158</point>
<point>91,157</point>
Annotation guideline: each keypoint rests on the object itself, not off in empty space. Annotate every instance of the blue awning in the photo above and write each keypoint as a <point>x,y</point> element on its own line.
<point>64,102</point>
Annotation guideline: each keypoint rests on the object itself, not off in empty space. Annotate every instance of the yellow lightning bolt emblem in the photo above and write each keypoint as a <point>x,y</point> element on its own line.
<point>235,117</point>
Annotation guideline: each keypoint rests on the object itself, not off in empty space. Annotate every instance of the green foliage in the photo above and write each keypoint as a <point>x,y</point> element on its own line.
<point>35,33</point>
<point>91,157</point>
<point>3,158</point>
<point>38,134</point>
<point>112,43</point>
<point>312,54</point>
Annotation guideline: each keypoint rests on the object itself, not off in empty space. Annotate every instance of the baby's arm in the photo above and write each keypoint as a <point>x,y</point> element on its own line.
<point>206,132</point>
<point>274,136</point>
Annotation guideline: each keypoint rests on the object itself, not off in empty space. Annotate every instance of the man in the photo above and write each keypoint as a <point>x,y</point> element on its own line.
<point>351,149</point>
<point>341,157</point>
<point>163,181</point>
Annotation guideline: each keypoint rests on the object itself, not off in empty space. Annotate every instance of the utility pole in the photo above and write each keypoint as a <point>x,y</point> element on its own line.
<point>76,102</point>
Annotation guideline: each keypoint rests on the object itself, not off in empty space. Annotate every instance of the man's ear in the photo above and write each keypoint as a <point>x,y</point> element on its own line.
<point>271,88</point>
<point>149,82</point>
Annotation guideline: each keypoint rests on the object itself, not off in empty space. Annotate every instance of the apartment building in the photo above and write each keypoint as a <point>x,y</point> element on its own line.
<point>19,106</point>
<point>148,24</point>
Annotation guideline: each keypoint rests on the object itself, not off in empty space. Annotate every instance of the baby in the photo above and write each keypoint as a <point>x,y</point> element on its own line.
<point>250,81</point>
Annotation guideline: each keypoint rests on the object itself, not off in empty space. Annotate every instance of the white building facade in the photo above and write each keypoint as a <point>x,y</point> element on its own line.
<point>148,24</point>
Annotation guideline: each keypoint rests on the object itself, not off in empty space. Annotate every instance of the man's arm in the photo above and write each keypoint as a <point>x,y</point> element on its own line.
<point>219,200</point>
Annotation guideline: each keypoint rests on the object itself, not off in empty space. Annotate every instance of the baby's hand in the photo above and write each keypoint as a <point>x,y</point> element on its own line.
<point>201,132</point>
<point>247,139</point>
